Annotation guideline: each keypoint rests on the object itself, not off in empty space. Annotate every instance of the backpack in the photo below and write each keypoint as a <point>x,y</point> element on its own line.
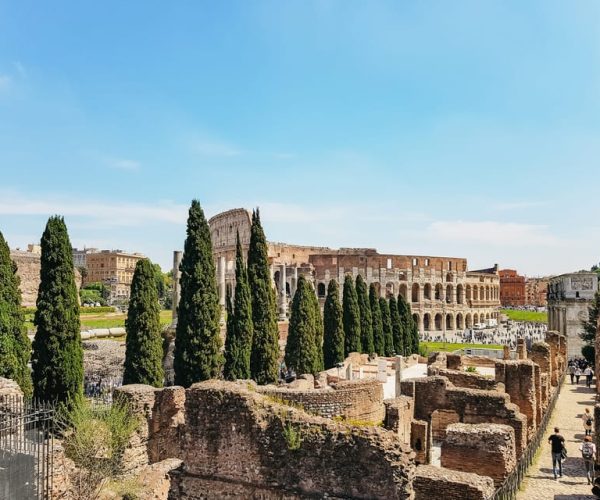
<point>587,451</point>
<point>589,421</point>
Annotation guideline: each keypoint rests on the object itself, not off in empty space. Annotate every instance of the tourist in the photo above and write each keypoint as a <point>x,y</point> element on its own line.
<point>577,375</point>
<point>588,372</point>
<point>588,453</point>
<point>558,444</point>
<point>588,421</point>
<point>571,371</point>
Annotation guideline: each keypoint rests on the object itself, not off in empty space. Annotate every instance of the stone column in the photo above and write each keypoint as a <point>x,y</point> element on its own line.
<point>177,255</point>
<point>282,295</point>
<point>398,367</point>
<point>506,352</point>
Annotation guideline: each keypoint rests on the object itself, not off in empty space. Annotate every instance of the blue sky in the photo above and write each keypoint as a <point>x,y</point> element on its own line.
<point>463,128</point>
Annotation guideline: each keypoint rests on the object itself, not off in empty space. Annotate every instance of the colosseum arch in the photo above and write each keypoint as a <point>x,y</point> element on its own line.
<point>427,322</point>
<point>427,291</point>
<point>487,293</point>
<point>321,290</point>
<point>438,321</point>
<point>468,321</point>
<point>475,292</point>
<point>460,325</point>
<point>469,295</point>
<point>389,289</point>
<point>460,294</point>
<point>438,291</point>
<point>449,277</point>
<point>415,292</point>
<point>449,294</point>
<point>404,291</point>
<point>487,316</point>
<point>475,318</point>
<point>449,322</point>
<point>276,278</point>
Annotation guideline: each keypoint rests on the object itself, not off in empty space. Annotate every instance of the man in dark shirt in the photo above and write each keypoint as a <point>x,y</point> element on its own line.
<point>557,442</point>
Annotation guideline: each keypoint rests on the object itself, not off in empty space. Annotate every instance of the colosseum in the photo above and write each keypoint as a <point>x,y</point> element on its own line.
<point>444,295</point>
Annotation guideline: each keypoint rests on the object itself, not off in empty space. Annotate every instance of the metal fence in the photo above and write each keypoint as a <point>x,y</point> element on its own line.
<point>26,446</point>
<point>509,488</point>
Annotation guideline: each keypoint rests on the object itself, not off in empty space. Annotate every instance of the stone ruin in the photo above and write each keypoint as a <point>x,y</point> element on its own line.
<point>452,434</point>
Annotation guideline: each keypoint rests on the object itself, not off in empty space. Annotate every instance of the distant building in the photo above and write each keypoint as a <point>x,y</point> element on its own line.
<point>536,291</point>
<point>80,256</point>
<point>115,269</point>
<point>569,299</point>
<point>512,288</point>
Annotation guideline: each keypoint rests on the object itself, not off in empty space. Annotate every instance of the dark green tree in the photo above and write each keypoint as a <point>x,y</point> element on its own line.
<point>333,342</point>
<point>397,330</point>
<point>406,321</point>
<point>15,347</point>
<point>590,325</point>
<point>319,331</point>
<point>197,353</point>
<point>238,343</point>
<point>265,340</point>
<point>143,343</point>
<point>351,316</point>
<point>378,339</point>
<point>301,352</point>
<point>57,357</point>
<point>366,321</point>
<point>413,331</point>
<point>387,326</point>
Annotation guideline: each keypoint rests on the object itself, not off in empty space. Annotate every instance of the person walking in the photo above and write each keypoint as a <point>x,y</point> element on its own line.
<point>588,453</point>
<point>572,372</point>
<point>577,375</point>
<point>588,372</point>
<point>588,421</point>
<point>557,444</point>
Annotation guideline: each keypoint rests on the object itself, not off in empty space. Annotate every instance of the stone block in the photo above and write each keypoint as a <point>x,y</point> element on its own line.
<point>436,482</point>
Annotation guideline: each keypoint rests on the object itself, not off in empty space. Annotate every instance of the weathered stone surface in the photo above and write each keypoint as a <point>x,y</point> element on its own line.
<point>519,382</point>
<point>435,482</point>
<point>467,379</point>
<point>399,413</point>
<point>484,449</point>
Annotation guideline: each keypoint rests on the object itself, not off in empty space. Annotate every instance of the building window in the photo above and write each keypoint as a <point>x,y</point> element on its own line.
<point>426,262</point>
<point>449,265</point>
<point>389,263</point>
<point>415,261</point>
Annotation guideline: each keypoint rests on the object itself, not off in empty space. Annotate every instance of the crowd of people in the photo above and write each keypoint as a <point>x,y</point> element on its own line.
<point>579,367</point>
<point>101,388</point>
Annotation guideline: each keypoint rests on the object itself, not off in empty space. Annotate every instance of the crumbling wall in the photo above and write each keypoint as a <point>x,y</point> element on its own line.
<point>540,355</point>
<point>467,379</point>
<point>557,344</point>
<point>484,449</point>
<point>399,413</point>
<point>350,399</point>
<point>419,441</point>
<point>435,482</point>
<point>519,382</point>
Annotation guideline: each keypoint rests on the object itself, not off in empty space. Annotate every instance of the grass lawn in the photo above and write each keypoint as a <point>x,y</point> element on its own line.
<point>449,346</point>
<point>537,317</point>
<point>105,320</point>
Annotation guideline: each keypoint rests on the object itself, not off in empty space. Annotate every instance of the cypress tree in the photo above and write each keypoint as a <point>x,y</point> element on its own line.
<point>366,321</point>
<point>319,331</point>
<point>301,352</point>
<point>387,326</point>
<point>197,340</point>
<point>333,342</point>
<point>265,340</point>
<point>238,343</point>
<point>397,331</point>
<point>413,328</point>
<point>351,317</point>
<point>378,340</point>
<point>15,347</point>
<point>143,343</point>
<point>57,357</point>
<point>406,322</point>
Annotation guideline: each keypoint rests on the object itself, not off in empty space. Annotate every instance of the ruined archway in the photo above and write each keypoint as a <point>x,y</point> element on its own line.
<point>321,290</point>
<point>449,322</point>
<point>449,294</point>
<point>427,291</point>
<point>438,321</point>
<point>460,294</point>
<point>404,291</point>
<point>468,320</point>
<point>415,292</point>
<point>438,291</point>
<point>427,322</point>
<point>389,289</point>
<point>460,324</point>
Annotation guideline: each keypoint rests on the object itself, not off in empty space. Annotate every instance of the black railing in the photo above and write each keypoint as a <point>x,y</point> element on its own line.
<point>509,488</point>
<point>26,446</point>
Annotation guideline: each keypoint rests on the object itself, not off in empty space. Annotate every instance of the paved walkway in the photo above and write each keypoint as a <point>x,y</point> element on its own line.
<point>539,483</point>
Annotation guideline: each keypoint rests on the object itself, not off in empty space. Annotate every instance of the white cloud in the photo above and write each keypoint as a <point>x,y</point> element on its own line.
<point>519,205</point>
<point>493,233</point>
<point>124,164</point>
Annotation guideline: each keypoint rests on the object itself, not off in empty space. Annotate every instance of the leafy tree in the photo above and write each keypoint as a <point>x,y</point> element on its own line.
<point>265,340</point>
<point>143,343</point>
<point>378,339</point>
<point>413,330</point>
<point>301,351</point>
<point>238,343</point>
<point>366,321</point>
<point>591,324</point>
<point>57,357</point>
<point>319,331</point>
<point>407,323</point>
<point>351,317</point>
<point>197,340</point>
<point>387,327</point>
<point>333,342</point>
<point>15,347</point>
<point>397,330</point>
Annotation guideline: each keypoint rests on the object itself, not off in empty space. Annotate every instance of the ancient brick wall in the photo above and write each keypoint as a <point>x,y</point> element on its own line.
<point>484,449</point>
<point>350,399</point>
<point>28,269</point>
<point>467,379</point>
<point>435,482</point>
<point>419,441</point>
<point>519,382</point>
<point>399,413</point>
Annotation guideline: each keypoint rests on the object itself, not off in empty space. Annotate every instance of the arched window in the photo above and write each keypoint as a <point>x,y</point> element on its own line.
<point>321,290</point>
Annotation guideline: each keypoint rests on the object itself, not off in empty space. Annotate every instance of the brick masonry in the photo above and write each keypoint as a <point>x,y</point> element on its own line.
<point>435,482</point>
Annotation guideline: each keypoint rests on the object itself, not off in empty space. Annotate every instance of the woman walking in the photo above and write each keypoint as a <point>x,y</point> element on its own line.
<point>577,375</point>
<point>588,421</point>
<point>588,453</point>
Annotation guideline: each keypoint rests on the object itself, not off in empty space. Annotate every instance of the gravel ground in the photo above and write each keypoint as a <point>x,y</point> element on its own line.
<point>103,358</point>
